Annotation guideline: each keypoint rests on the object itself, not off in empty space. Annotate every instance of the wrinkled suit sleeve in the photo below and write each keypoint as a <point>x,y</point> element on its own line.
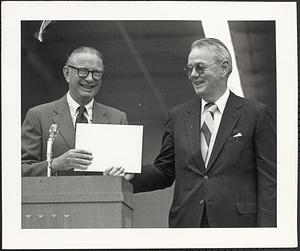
<point>161,174</point>
<point>31,145</point>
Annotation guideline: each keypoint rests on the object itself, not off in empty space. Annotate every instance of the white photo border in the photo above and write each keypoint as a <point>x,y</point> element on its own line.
<point>284,15</point>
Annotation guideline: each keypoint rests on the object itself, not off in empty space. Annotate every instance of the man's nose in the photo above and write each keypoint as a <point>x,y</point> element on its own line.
<point>89,77</point>
<point>194,73</point>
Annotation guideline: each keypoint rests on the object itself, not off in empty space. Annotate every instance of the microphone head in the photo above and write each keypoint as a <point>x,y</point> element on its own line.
<point>53,127</point>
<point>53,130</point>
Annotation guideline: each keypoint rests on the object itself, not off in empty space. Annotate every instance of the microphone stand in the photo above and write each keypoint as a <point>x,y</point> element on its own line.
<point>52,133</point>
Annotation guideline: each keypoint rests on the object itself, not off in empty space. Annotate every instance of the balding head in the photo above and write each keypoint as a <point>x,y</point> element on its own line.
<point>84,49</point>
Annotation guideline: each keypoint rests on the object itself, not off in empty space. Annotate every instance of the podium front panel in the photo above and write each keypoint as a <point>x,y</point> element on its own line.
<point>76,202</point>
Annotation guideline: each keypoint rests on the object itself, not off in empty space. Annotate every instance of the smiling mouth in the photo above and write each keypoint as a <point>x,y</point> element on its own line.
<point>197,83</point>
<point>89,87</point>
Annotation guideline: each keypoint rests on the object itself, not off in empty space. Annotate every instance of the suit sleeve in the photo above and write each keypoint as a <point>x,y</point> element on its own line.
<point>161,174</point>
<point>265,145</point>
<point>31,145</point>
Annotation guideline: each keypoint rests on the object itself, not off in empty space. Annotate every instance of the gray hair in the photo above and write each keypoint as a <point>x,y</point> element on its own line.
<point>85,49</point>
<point>217,47</point>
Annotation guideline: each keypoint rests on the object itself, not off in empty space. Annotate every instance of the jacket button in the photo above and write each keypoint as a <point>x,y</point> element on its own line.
<point>205,177</point>
<point>201,202</point>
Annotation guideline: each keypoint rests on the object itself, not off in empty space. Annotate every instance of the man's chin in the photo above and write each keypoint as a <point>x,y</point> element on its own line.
<point>199,92</point>
<point>86,98</point>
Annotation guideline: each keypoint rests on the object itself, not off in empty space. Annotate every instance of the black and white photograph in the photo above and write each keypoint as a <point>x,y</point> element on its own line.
<point>141,122</point>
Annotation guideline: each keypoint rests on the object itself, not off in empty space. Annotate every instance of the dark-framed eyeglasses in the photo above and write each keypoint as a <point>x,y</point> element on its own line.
<point>83,73</point>
<point>200,68</point>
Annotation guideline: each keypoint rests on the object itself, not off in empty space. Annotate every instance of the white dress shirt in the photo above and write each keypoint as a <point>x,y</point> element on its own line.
<point>221,103</point>
<point>73,105</point>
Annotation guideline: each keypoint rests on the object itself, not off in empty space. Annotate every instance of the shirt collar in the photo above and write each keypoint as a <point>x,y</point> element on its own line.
<point>221,102</point>
<point>74,105</point>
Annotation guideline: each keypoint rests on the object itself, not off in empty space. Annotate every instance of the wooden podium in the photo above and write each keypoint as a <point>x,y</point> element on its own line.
<point>76,202</point>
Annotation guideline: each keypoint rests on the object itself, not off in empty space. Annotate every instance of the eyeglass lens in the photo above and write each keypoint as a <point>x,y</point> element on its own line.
<point>83,73</point>
<point>198,67</point>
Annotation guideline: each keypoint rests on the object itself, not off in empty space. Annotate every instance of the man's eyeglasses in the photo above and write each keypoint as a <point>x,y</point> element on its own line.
<point>200,68</point>
<point>83,73</point>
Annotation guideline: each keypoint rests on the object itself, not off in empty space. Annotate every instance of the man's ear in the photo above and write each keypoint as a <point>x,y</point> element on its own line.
<point>225,67</point>
<point>66,73</point>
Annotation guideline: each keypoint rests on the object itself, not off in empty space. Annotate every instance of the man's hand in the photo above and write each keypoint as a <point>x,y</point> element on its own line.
<point>74,158</point>
<point>114,171</point>
<point>129,176</point>
<point>118,171</point>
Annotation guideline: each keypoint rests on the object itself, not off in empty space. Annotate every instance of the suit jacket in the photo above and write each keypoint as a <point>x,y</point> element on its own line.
<point>238,187</point>
<point>35,132</point>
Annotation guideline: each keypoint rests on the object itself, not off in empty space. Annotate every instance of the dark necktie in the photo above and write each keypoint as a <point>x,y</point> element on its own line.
<point>80,117</point>
<point>207,129</point>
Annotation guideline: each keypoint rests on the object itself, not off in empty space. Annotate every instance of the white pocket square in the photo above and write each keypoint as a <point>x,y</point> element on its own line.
<point>237,135</point>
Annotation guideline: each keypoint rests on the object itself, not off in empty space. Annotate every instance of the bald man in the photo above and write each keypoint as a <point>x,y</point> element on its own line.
<point>84,71</point>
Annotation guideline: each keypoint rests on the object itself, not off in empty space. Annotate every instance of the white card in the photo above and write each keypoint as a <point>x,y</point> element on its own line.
<point>111,145</point>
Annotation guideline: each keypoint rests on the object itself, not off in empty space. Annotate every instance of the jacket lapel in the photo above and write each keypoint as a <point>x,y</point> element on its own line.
<point>193,122</point>
<point>229,119</point>
<point>100,114</point>
<point>63,119</point>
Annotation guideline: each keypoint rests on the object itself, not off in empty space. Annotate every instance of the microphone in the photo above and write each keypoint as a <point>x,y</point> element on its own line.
<point>52,133</point>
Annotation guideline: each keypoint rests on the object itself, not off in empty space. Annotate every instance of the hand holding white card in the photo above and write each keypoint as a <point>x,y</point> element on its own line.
<point>111,145</point>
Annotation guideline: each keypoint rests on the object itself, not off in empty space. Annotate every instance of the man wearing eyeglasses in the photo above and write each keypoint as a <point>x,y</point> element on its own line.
<point>220,149</point>
<point>83,72</point>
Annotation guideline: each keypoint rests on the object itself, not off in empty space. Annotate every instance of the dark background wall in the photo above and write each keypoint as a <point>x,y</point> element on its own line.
<point>144,63</point>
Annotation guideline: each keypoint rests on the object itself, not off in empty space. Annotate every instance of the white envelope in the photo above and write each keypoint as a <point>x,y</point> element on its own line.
<point>111,145</point>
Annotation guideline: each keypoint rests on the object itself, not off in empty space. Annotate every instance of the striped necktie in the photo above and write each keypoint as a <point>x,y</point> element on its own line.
<point>207,129</point>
